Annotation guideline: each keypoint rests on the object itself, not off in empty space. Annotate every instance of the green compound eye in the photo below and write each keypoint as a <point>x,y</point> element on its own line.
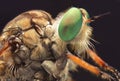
<point>70,24</point>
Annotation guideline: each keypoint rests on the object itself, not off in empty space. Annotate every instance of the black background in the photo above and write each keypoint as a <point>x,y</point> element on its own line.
<point>106,29</point>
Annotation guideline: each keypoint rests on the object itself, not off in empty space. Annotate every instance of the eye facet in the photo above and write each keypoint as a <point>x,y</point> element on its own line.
<point>70,24</point>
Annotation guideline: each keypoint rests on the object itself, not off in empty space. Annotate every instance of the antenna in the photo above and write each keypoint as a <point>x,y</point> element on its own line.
<point>97,17</point>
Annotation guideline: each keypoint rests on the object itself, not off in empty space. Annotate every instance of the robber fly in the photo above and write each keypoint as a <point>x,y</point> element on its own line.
<point>36,47</point>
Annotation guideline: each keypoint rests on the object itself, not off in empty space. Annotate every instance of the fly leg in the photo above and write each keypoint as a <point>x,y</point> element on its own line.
<point>90,68</point>
<point>103,64</point>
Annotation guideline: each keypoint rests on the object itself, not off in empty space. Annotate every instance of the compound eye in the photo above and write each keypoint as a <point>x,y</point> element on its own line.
<point>85,13</point>
<point>70,24</point>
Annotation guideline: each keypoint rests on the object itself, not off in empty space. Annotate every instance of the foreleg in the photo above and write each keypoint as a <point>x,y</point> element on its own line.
<point>103,64</point>
<point>89,67</point>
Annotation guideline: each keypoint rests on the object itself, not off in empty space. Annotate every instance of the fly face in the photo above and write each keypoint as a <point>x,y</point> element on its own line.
<point>75,31</point>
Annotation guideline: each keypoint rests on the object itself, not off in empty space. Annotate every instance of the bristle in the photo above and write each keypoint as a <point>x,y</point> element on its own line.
<point>82,42</point>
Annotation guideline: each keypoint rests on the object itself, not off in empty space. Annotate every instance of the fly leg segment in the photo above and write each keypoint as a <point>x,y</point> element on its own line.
<point>103,64</point>
<point>58,69</point>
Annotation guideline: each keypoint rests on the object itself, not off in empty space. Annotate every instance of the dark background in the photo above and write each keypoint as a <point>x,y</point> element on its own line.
<point>106,29</point>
